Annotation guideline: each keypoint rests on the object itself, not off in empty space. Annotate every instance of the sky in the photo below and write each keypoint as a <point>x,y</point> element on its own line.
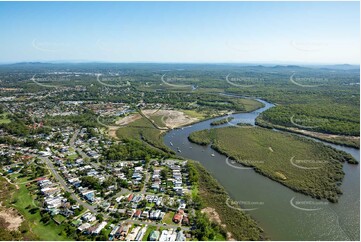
<point>207,32</point>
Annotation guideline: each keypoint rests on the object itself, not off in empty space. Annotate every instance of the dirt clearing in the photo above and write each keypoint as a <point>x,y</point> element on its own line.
<point>214,217</point>
<point>128,119</point>
<point>113,131</point>
<point>171,118</point>
<point>10,219</point>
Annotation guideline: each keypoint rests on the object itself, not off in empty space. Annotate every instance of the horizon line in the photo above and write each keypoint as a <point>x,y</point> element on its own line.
<point>174,62</point>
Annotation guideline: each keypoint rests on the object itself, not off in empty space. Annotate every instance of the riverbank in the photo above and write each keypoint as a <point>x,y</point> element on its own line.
<point>258,105</point>
<point>215,203</point>
<point>152,125</point>
<point>221,121</point>
<point>303,165</point>
<point>244,184</point>
<point>347,141</point>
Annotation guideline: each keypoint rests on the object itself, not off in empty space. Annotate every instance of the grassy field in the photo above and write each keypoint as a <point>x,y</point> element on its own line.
<point>248,104</point>
<point>168,218</point>
<point>194,114</point>
<point>73,157</point>
<point>31,228</point>
<point>59,218</point>
<point>298,163</point>
<point>48,231</point>
<point>143,129</point>
<point>4,119</point>
<point>158,120</point>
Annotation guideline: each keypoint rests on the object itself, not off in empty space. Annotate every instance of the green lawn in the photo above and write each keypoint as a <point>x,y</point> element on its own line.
<point>60,218</point>
<point>72,157</point>
<point>168,218</point>
<point>150,205</point>
<point>49,231</point>
<point>147,233</point>
<point>4,118</point>
<point>194,114</point>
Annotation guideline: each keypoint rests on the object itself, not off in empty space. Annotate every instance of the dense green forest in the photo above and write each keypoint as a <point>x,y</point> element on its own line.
<point>132,150</point>
<point>325,117</point>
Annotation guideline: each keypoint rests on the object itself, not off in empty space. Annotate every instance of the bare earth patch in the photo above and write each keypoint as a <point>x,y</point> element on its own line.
<point>214,217</point>
<point>280,175</point>
<point>12,218</point>
<point>113,131</point>
<point>171,118</point>
<point>128,119</point>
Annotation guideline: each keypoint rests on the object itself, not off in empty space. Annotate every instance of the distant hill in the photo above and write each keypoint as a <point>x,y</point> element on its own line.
<point>227,67</point>
<point>338,67</point>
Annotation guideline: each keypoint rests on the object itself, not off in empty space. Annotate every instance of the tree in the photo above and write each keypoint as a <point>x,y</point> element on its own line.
<point>45,218</point>
<point>67,194</point>
<point>90,181</point>
<point>100,217</point>
<point>123,183</point>
<point>164,173</point>
<point>142,204</point>
<point>72,201</point>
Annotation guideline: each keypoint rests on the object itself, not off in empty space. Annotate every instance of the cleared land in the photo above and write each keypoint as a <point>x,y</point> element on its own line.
<point>128,119</point>
<point>8,229</point>
<point>303,165</point>
<point>12,218</point>
<point>169,118</point>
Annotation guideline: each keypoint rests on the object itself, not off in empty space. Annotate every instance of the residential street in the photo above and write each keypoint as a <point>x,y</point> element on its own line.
<point>92,208</point>
<point>156,224</point>
<point>80,151</point>
<point>62,182</point>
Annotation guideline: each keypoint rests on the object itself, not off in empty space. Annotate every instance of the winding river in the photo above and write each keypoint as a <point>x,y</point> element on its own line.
<point>281,212</point>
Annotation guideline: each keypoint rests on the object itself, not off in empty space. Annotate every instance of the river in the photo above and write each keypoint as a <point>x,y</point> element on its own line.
<point>281,212</point>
